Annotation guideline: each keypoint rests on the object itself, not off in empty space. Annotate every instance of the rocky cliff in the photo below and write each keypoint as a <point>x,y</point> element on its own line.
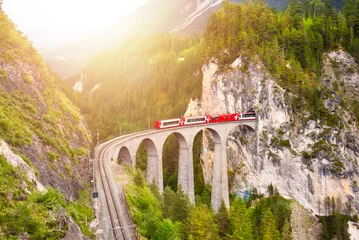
<point>305,159</point>
<point>37,120</point>
<point>43,143</point>
<point>56,138</point>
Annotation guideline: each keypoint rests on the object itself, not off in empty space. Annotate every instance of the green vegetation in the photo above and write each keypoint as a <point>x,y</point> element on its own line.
<point>13,43</point>
<point>28,79</point>
<point>3,75</point>
<point>29,112</point>
<point>37,213</point>
<point>20,116</point>
<point>143,78</point>
<point>280,142</point>
<point>171,216</point>
<point>170,162</point>
<point>290,43</point>
<point>335,226</point>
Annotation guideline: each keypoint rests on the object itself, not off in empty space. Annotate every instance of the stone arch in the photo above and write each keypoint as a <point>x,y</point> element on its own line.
<point>152,160</point>
<point>213,137</point>
<point>219,168</point>
<point>124,156</point>
<point>182,163</point>
<point>248,126</point>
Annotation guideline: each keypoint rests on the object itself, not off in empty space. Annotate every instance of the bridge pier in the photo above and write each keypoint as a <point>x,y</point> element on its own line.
<point>185,169</point>
<point>133,160</point>
<point>220,175</point>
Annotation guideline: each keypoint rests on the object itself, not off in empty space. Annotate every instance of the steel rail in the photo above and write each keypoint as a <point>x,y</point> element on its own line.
<point>120,217</point>
<point>110,202</point>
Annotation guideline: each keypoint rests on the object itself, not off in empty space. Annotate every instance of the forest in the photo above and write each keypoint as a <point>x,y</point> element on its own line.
<point>155,78</point>
<point>170,215</point>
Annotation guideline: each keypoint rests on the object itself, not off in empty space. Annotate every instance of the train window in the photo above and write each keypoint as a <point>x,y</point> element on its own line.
<point>190,120</point>
<point>215,117</point>
<point>170,123</point>
<point>249,115</point>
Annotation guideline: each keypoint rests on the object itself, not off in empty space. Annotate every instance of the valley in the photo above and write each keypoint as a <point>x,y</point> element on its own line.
<point>291,173</point>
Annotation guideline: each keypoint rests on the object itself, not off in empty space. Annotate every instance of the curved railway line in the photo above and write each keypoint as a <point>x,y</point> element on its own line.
<point>120,218</point>
<point>114,207</point>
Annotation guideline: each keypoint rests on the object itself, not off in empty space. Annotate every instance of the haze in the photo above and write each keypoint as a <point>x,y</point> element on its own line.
<point>51,23</point>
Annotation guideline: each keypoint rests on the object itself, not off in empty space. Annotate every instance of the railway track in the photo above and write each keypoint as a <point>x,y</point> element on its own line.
<point>119,215</point>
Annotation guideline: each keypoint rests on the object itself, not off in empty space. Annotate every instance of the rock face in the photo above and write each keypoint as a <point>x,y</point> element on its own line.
<point>74,231</point>
<point>304,225</point>
<point>17,161</point>
<point>58,138</point>
<point>279,151</point>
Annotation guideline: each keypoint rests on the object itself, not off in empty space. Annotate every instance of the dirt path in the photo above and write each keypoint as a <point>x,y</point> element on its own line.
<point>119,173</point>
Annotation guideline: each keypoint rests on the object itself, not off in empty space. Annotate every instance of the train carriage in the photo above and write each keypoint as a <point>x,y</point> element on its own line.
<point>248,116</point>
<point>177,122</point>
<point>224,118</point>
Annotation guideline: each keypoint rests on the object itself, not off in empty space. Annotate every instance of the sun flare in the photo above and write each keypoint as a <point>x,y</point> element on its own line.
<point>67,18</point>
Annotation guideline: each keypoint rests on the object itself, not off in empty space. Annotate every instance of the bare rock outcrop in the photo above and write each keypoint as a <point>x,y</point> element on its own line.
<point>305,160</point>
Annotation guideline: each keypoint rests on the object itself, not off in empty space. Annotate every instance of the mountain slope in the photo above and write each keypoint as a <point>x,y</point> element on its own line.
<point>184,17</point>
<point>290,67</point>
<point>40,125</point>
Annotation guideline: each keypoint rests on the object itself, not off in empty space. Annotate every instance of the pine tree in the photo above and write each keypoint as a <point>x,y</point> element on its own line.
<point>317,4</point>
<point>181,206</point>
<point>236,217</point>
<point>222,220</point>
<point>270,189</point>
<point>286,233</point>
<point>168,200</point>
<point>247,227</point>
<point>202,225</point>
<point>268,227</point>
<point>167,230</point>
<point>139,179</point>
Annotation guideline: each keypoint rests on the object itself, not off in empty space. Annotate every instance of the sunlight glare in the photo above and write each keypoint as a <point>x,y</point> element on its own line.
<point>66,17</point>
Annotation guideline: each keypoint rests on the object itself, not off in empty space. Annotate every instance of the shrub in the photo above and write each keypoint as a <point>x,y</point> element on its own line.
<point>28,79</point>
<point>3,74</point>
<point>284,143</point>
<point>52,156</point>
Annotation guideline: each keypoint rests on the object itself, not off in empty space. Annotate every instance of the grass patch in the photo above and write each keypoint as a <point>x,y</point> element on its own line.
<point>28,79</point>
<point>3,75</point>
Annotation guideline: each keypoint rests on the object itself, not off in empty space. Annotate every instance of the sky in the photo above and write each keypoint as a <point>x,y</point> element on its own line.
<point>49,23</point>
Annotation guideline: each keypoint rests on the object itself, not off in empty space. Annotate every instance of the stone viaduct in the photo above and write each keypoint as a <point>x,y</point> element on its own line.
<point>126,148</point>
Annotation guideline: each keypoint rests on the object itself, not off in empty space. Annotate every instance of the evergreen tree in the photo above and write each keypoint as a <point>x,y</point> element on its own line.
<point>237,212</point>
<point>247,227</point>
<point>202,225</point>
<point>181,207</point>
<point>167,230</point>
<point>139,179</point>
<point>286,232</point>
<point>268,227</point>
<point>222,220</point>
<point>270,189</point>
<point>168,200</point>
<point>155,191</point>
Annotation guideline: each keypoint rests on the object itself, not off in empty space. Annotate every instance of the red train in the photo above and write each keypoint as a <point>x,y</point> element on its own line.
<point>177,122</point>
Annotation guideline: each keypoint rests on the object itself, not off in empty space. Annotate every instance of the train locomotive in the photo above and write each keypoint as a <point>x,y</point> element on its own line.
<point>178,122</point>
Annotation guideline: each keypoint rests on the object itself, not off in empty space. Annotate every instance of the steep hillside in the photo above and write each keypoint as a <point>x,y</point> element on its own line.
<point>297,69</point>
<point>40,126</point>
<point>184,17</point>
<point>139,80</point>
